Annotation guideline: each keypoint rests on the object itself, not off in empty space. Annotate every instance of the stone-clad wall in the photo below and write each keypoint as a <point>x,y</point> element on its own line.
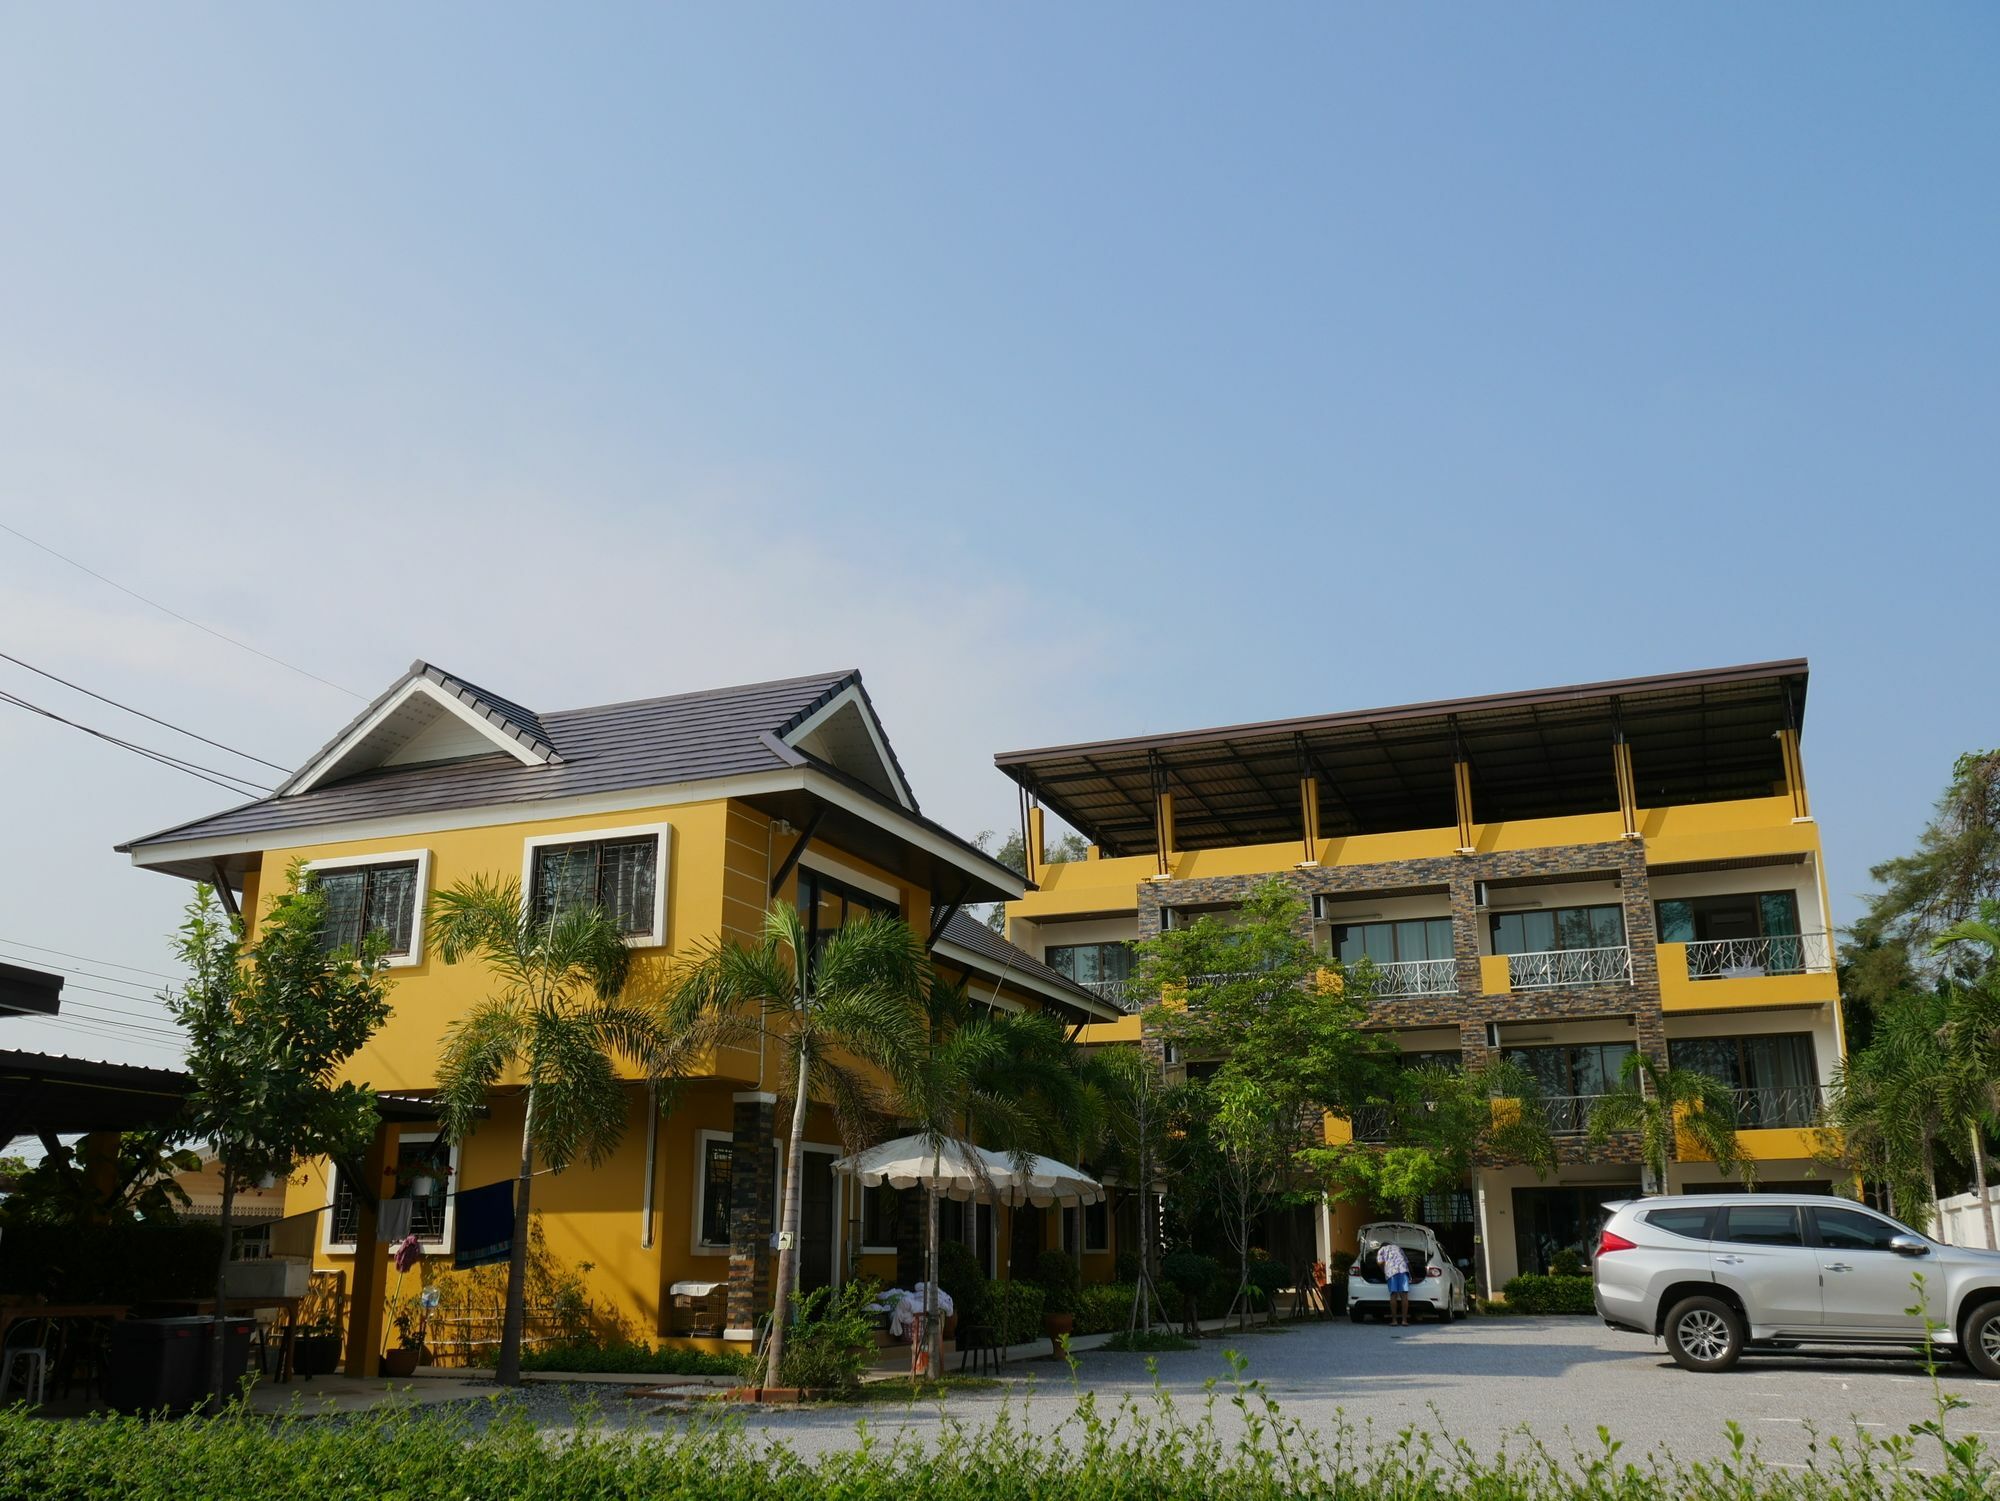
<point>1471,1009</point>
<point>752,1190</point>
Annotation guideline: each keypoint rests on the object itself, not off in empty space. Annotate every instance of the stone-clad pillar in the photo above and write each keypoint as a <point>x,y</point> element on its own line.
<point>1465,933</point>
<point>753,1177</point>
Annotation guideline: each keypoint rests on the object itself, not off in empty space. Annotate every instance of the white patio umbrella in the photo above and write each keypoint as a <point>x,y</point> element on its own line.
<point>1043,1181</point>
<point>954,1170</point>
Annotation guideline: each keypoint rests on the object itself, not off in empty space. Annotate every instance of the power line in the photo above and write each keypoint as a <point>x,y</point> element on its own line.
<point>141,713</point>
<point>146,991</point>
<point>22,943</point>
<point>192,768</point>
<point>184,619</point>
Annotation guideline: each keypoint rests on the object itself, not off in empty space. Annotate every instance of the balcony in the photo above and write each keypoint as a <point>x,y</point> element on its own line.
<point>1793,1106</point>
<point>1568,1114</point>
<point>1120,993</point>
<point>1753,958</point>
<point>1415,977</point>
<point>1553,969</point>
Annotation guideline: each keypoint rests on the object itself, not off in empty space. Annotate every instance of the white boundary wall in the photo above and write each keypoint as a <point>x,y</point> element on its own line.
<point>1959,1219</point>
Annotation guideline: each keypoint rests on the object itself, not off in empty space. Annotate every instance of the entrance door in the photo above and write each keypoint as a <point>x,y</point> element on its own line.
<point>1548,1220</point>
<point>816,1220</point>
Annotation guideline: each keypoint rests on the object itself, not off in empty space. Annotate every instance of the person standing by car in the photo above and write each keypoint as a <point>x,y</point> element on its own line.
<point>1396,1267</point>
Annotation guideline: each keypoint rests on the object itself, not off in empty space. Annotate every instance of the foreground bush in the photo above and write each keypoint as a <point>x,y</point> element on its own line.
<point>1537,1294</point>
<point>1100,1452</point>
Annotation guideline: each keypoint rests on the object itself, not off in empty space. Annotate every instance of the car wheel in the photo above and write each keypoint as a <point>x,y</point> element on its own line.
<point>1353,1315</point>
<point>1982,1340</point>
<point>1704,1334</point>
<point>1442,1312</point>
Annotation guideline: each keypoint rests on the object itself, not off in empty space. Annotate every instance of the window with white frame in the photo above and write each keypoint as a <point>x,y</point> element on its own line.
<point>422,1161</point>
<point>715,1187</point>
<point>623,871</point>
<point>374,895</point>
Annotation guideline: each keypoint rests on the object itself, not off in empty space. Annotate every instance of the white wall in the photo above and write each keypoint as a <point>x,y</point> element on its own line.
<point>1959,1220</point>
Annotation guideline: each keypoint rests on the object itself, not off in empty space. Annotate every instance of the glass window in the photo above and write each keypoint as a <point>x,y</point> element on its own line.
<point>1692,1223</point>
<point>414,1159</point>
<point>1097,1226</point>
<point>619,875</point>
<point>718,1164</point>
<point>1780,1061</point>
<point>1676,921</point>
<point>1590,1068</point>
<point>363,899</point>
<point>1761,1225</point>
<point>1851,1230</point>
<point>879,1207</point>
<point>1091,963</point>
<point>1535,932</point>
<point>1750,914</point>
<point>828,905</point>
<point>1389,942</point>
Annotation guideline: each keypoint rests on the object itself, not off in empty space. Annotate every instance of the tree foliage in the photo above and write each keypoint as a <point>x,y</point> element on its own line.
<point>270,1024</point>
<point>1673,1111</point>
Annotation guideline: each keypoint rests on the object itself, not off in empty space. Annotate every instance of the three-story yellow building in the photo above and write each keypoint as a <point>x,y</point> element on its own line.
<point>1560,876</point>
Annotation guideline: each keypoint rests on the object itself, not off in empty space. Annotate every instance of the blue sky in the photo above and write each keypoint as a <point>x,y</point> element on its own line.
<point>1073,371</point>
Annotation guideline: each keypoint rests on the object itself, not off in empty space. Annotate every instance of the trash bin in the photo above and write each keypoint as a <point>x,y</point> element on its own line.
<point>162,1364</point>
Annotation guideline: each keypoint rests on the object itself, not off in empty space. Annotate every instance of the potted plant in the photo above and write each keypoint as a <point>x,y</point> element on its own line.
<point>1062,1289</point>
<point>403,1360</point>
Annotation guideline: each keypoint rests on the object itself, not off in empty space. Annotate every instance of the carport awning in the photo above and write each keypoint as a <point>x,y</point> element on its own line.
<point>50,1094</point>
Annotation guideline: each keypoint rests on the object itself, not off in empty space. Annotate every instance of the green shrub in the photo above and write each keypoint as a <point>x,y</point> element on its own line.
<point>1537,1294</point>
<point>1189,1272</point>
<point>1105,1307</point>
<point>961,1278</point>
<point>1568,1262</point>
<point>1269,1276</point>
<point>1060,1282</point>
<point>1101,1453</point>
<point>1126,1267</point>
<point>832,1340</point>
<point>639,1359</point>
<point>1014,1309</point>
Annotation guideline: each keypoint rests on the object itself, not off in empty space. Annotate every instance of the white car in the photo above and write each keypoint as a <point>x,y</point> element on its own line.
<point>1436,1286</point>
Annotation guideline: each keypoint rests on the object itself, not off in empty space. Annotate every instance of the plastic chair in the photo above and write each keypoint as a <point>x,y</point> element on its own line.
<point>28,1350</point>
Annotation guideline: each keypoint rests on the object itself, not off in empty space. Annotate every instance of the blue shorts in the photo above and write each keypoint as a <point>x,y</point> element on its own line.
<point>1399,1282</point>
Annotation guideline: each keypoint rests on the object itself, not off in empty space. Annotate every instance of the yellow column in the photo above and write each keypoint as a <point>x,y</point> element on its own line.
<point>1461,786</point>
<point>1795,773</point>
<point>1036,847</point>
<point>1164,818</point>
<point>371,1260</point>
<point>1309,817</point>
<point>1628,789</point>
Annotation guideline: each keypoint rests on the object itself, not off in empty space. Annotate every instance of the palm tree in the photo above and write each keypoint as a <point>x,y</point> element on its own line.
<point>1972,1043</point>
<point>846,1015</point>
<point>1664,1106</point>
<point>974,1082</point>
<point>560,1018</point>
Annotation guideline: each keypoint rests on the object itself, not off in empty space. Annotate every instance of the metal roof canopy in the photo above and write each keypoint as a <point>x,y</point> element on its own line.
<point>1695,737</point>
<point>49,1094</point>
<point>29,992</point>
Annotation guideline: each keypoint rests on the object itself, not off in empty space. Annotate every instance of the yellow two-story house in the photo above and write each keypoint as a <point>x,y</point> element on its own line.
<point>684,816</point>
<point>1560,876</point>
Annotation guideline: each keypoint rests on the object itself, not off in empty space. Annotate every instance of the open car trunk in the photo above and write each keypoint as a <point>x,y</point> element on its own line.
<point>1416,1250</point>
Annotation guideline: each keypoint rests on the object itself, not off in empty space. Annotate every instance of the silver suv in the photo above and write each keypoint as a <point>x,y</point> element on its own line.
<point>1716,1274</point>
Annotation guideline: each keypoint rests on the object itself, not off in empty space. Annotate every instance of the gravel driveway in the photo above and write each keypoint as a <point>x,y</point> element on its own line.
<point>1485,1378</point>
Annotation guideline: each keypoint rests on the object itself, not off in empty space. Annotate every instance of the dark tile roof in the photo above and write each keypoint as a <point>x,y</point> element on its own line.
<point>1003,957</point>
<point>652,742</point>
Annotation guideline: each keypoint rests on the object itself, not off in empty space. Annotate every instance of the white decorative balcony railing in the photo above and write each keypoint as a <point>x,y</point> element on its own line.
<point>1405,977</point>
<point>1118,993</point>
<point>1795,1105</point>
<point>1552,968</point>
<point>1745,958</point>
<point>1568,1114</point>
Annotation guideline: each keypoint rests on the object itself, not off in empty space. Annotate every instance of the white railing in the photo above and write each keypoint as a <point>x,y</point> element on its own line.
<point>1744,958</point>
<point>1416,977</point>
<point>1119,993</point>
<point>1795,1105</point>
<point>1551,968</point>
<point>1568,1114</point>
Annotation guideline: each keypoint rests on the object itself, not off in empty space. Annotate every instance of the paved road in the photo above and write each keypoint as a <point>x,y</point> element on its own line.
<point>1485,1378</point>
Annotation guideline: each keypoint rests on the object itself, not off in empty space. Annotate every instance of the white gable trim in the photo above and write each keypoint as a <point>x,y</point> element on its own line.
<point>974,962</point>
<point>334,756</point>
<point>852,696</point>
